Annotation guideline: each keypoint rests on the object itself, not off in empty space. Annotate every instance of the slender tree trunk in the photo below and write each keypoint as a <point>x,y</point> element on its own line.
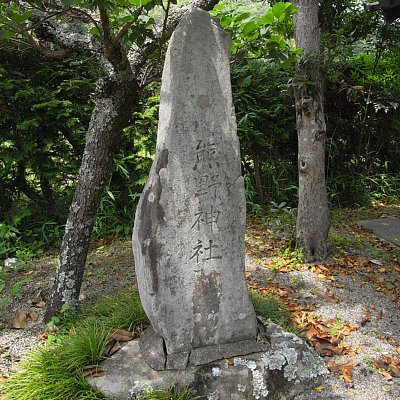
<point>114,107</point>
<point>257,178</point>
<point>313,215</point>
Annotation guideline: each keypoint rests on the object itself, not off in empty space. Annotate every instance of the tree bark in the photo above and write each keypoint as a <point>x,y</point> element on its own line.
<point>116,101</point>
<point>312,215</point>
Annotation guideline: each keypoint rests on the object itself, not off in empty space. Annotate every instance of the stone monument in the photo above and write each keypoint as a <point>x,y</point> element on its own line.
<point>189,229</point>
<point>188,243</point>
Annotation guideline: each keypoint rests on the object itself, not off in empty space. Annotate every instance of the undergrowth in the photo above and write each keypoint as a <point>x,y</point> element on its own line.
<point>55,371</point>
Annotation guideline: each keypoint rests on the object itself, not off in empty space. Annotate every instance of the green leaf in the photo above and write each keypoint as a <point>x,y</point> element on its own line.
<point>110,193</point>
<point>243,16</point>
<point>267,19</point>
<point>5,35</point>
<point>94,31</point>
<point>20,18</point>
<point>249,27</point>
<point>279,8</point>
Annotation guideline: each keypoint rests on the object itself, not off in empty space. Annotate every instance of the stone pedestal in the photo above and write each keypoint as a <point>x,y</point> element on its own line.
<point>286,368</point>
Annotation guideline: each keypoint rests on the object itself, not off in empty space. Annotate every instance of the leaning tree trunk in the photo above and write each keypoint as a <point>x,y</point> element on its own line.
<point>312,215</point>
<point>114,107</point>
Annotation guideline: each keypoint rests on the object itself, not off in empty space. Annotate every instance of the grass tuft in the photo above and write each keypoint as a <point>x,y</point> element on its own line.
<point>170,394</point>
<point>54,372</point>
<point>270,307</point>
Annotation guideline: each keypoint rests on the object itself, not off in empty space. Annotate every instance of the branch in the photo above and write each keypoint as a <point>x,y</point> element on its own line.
<point>125,28</point>
<point>105,24</point>
<point>138,56</point>
<point>57,54</point>
<point>68,35</point>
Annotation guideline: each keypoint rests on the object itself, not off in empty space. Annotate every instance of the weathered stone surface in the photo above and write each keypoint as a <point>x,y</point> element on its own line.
<point>188,237</point>
<point>177,360</point>
<point>152,347</point>
<point>286,369</point>
<point>204,355</point>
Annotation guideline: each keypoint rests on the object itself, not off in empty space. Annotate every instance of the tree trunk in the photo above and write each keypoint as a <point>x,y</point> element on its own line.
<point>312,215</point>
<point>116,101</point>
<point>257,178</point>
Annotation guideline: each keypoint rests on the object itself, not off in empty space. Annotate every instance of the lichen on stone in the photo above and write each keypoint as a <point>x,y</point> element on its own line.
<point>213,396</point>
<point>241,387</point>
<point>293,356</point>
<point>260,390</point>
<point>216,371</point>
<point>139,389</point>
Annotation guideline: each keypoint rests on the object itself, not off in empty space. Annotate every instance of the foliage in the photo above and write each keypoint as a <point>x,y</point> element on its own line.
<point>46,104</point>
<point>266,128</point>
<point>259,32</point>
<point>46,108</point>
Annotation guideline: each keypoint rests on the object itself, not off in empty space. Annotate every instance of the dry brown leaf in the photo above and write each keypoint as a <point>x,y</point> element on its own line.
<point>20,320</point>
<point>33,316</point>
<point>386,375</point>
<point>122,335</point>
<point>112,347</point>
<point>92,371</point>
<point>395,370</point>
<point>346,369</point>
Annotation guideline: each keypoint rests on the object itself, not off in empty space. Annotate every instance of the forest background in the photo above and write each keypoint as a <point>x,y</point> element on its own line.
<point>45,107</point>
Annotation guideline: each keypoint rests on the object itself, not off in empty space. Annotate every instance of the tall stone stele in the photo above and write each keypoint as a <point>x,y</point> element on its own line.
<point>188,238</point>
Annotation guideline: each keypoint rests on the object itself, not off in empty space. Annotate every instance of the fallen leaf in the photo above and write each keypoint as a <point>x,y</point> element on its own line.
<point>39,303</point>
<point>122,335</point>
<point>346,369</point>
<point>44,336</point>
<point>398,349</point>
<point>395,370</point>
<point>33,316</point>
<point>319,388</point>
<point>92,371</point>
<point>385,389</point>
<point>112,347</point>
<point>20,320</point>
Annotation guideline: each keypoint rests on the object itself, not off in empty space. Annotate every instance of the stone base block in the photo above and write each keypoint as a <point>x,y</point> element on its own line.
<point>287,368</point>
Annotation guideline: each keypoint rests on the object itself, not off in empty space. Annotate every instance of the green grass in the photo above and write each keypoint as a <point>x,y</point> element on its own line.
<point>55,371</point>
<point>270,307</point>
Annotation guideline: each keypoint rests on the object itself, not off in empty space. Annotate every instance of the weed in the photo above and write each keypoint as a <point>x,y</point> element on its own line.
<point>271,308</point>
<point>170,394</point>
